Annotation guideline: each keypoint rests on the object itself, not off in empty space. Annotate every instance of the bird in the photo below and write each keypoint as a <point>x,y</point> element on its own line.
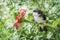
<point>40,18</point>
<point>19,18</point>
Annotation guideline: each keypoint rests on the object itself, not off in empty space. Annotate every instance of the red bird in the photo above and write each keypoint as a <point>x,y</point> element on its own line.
<point>18,18</point>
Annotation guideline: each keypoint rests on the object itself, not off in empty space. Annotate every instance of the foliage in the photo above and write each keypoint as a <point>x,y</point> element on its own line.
<point>9,9</point>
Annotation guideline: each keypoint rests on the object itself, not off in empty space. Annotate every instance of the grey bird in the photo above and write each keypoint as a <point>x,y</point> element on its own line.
<point>40,18</point>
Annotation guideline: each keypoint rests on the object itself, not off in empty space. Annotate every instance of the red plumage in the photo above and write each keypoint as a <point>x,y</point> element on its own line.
<point>18,18</point>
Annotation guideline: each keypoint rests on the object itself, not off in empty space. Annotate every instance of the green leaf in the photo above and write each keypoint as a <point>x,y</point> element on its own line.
<point>55,23</point>
<point>30,18</point>
<point>12,10</point>
<point>1,13</point>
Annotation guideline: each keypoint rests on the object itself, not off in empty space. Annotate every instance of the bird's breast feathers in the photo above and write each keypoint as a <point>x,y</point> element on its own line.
<point>37,18</point>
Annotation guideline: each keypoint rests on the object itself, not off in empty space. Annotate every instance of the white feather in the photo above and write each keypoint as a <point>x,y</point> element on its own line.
<point>37,18</point>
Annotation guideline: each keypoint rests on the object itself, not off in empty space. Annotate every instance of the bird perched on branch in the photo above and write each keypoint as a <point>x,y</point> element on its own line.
<point>40,18</point>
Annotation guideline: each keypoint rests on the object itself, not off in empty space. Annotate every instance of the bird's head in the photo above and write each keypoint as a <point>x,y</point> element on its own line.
<point>38,12</point>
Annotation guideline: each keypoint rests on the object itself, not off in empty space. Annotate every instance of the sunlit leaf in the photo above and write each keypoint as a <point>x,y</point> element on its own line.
<point>55,23</point>
<point>30,17</point>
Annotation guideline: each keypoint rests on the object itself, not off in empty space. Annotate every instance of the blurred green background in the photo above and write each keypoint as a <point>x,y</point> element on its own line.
<point>9,9</point>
